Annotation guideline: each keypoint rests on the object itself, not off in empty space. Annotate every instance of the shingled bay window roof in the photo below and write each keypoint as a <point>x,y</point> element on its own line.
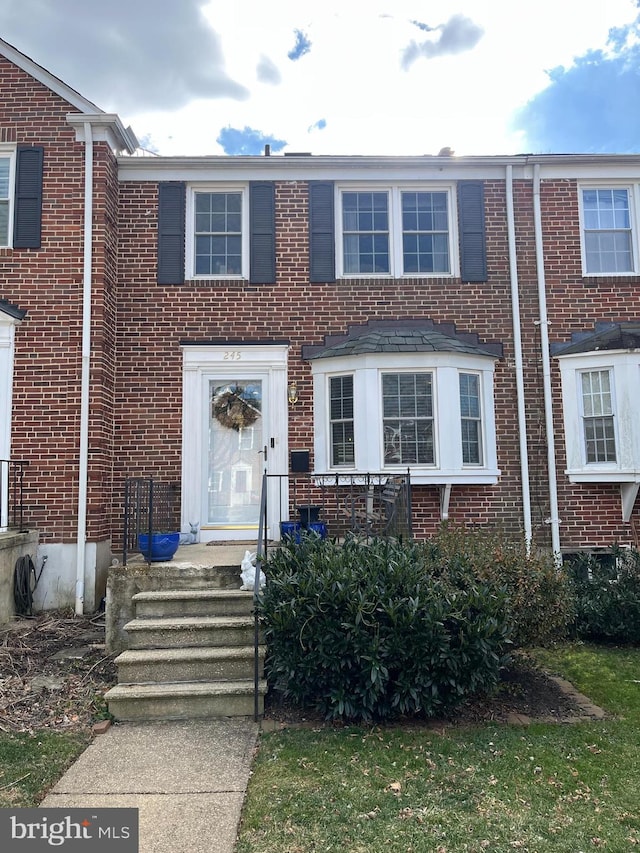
<point>401,337</point>
<point>607,336</point>
<point>12,310</point>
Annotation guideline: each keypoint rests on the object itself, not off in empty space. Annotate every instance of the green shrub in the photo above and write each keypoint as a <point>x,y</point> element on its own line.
<point>540,600</point>
<point>361,631</point>
<point>608,596</point>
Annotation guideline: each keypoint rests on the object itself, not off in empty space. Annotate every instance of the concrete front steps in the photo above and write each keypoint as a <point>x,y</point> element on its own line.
<point>191,655</point>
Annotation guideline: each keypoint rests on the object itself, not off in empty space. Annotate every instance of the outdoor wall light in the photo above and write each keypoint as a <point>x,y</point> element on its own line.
<point>292,394</point>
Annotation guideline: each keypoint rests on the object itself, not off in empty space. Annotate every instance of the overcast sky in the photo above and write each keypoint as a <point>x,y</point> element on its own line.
<point>341,77</point>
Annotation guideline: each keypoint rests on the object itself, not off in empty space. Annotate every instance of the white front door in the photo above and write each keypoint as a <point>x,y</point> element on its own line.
<point>234,428</point>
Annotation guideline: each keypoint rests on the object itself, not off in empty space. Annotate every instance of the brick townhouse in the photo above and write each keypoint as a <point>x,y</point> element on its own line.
<point>474,320</point>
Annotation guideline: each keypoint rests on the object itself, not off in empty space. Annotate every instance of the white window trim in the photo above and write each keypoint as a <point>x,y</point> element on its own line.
<point>369,456</point>
<point>625,379</point>
<point>394,194</point>
<point>10,152</point>
<point>634,204</point>
<point>190,249</point>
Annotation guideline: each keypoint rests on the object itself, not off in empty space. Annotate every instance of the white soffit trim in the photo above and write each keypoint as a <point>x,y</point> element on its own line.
<point>105,127</point>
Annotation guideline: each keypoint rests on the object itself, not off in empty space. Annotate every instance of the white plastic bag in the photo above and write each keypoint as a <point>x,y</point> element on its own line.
<point>248,572</point>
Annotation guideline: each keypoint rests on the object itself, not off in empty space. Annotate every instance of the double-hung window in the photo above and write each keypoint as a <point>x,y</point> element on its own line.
<point>608,244</point>
<point>396,231</point>
<point>425,233</point>
<point>407,418</point>
<point>341,420</point>
<point>218,233</point>
<point>470,418</point>
<point>597,416</point>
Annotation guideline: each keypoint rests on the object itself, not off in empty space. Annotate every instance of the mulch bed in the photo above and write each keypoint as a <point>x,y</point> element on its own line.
<point>525,693</point>
<point>54,672</point>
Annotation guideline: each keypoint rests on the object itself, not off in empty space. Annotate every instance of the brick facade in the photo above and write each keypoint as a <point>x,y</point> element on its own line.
<point>138,326</point>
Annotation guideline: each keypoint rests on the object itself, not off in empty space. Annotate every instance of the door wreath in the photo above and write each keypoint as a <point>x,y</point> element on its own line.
<point>232,410</point>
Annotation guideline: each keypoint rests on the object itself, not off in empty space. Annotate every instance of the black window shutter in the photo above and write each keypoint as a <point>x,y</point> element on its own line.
<point>27,216</point>
<point>262,230</point>
<point>473,248</point>
<point>322,261</point>
<point>171,235</point>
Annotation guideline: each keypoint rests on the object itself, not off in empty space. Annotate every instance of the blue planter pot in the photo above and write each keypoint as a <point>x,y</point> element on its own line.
<point>163,546</point>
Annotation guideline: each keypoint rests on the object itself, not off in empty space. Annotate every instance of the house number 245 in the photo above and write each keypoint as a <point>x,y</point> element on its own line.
<point>232,355</point>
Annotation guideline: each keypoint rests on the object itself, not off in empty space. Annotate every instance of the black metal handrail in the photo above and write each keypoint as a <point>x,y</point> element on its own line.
<point>261,552</point>
<point>12,494</point>
<point>150,506</point>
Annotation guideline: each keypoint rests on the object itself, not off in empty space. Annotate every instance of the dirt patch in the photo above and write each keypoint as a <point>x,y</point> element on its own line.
<point>54,672</point>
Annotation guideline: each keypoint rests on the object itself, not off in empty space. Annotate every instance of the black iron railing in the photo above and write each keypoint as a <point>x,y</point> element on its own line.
<point>150,506</point>
<point>12,494</point>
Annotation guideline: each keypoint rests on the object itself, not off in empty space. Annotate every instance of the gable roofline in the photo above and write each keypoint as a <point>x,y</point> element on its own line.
<point>109,126</point>
<point>47,78</point>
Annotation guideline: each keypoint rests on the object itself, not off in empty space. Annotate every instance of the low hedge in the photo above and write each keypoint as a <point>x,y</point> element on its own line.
<point>363,631</point>
<point>540,596</point>
<point>608,596</point>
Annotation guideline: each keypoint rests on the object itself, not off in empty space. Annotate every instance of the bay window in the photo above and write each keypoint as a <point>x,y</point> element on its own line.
<point>432,412</point>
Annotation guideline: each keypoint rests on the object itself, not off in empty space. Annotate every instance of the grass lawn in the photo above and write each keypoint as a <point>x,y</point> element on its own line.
<point>31,764</point>
<point>565,788</point>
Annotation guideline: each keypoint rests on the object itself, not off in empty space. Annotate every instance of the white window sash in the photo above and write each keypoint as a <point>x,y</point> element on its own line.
<point>633,196</point>
<point>396,257</point>
<point>190,247</point>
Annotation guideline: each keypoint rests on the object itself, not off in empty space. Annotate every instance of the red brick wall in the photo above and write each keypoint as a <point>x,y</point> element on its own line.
<point>47,283</point>
<point>152,320</point>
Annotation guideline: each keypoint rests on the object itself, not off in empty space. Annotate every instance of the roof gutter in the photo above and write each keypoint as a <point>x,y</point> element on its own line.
<point>86,368</point>
<point>553,520</point>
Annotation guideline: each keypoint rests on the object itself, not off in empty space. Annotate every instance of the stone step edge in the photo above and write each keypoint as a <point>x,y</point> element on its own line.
<point>189,653</point>
<point>186,594</point>
<point>179,623</point>
<point>184,688</point>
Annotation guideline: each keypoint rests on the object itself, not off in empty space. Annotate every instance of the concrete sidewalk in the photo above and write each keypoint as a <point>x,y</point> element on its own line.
<point>188,779</point>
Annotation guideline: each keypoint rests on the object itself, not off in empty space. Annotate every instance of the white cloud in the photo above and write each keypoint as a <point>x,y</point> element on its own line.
<point>235,72</point>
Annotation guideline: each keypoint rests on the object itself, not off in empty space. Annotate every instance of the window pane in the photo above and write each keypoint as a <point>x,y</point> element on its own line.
<point>607,231</point>
<point>4,223</point>
<point>4,177</point>
<point>365,222</point>
<point>425,238</point>
<point>341,419</point>
<point>407,405</point>
<point>218,228</point>
<point>597,408</point>
<point>470,419</point>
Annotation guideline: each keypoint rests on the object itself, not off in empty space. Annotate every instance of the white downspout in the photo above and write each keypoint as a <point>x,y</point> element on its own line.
<point>517,345</point>
<point>86,366</point>
<point>554,521</point>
